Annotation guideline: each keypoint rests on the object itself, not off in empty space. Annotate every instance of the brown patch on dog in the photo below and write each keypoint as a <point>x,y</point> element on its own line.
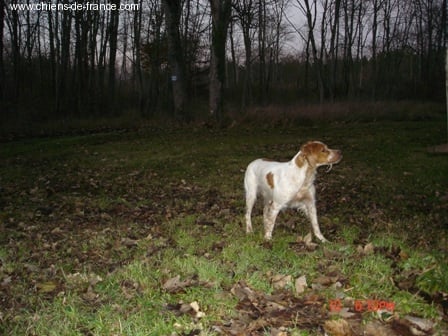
<point>300,160</point>
<point>270,180</point>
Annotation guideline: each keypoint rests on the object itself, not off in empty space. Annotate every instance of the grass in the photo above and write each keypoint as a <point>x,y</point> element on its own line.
<point>93,226</point>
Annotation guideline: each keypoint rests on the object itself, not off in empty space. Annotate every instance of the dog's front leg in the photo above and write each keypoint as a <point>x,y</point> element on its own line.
<point>270,213</point>
<point>310,207</point>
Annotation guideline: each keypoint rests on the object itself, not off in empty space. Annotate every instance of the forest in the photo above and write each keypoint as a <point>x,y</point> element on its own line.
<point>197,59</point>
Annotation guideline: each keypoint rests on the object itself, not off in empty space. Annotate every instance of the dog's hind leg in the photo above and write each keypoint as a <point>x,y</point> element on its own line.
<point>250,201</point>
<point>251,196</point>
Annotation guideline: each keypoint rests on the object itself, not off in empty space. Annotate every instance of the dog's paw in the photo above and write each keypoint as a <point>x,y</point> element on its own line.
<point>322,239</point>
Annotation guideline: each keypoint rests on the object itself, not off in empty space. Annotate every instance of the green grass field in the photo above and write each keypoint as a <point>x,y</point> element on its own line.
<point>141,233</point>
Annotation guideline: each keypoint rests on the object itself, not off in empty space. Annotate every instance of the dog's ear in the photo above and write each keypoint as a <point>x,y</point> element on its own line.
<point>309,151</point>
<point>307,148</point>
<point>304,152</point>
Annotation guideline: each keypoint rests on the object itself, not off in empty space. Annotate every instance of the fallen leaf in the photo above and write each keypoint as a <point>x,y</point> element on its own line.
<point>343,313</point>
<point>403,255</point>
<point>94,279</point>
<point>411,325</point>
<point>377,329</point>
<point>366,250</point>
<point>173,284</point>
<point>106,216</point>
<point>332,254</point>
<point>300,284</point>
<point>46,287</point>
<point>31,267</point>
<point>195,306</point>
<point>57,230</point>
<point>6,281</point>
<point>128,242</point>
<point>191,309</point>
<point>242,291</point>
<point>81,281</point>
<point>337,328</point>
<point>304,243</point>
<point>90,295</point>
<point>130,288</point>
<point>325,280</point>
<point>272,306</point>
<point>369,248</point>
<point>278,332</point>
<point>280,281</point>
<point>185,308</point>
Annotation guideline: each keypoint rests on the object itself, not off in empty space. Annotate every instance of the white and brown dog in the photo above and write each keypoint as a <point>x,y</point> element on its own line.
<point>287,185</point>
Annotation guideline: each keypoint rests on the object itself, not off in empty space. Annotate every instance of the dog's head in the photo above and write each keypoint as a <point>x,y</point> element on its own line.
<point>318,154</point>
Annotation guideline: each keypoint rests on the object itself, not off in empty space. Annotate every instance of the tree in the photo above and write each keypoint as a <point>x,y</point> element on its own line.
<point>173,11</point>
<point>136,55</point>
<point>349,10</point>
<point>113,38</point>
<point>220,11</point>
<point>245,10</point>
<point>310,11</point>
<point>2,67</point>
<point>334,39</point>
<point>64,61</point>
<point>279,32</point>
<point>262,49</point>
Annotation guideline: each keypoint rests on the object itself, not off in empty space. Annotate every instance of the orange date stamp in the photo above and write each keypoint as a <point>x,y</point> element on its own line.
<point>336,305</point>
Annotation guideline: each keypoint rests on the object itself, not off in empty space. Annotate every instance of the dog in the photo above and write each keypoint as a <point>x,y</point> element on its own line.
<point>287,185</point>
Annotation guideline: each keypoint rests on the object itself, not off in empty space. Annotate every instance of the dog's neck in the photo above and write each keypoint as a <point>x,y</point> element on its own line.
<point>300,161</point>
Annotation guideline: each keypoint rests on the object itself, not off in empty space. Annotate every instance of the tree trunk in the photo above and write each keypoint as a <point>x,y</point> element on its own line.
<point>113,39</point>
<point>137,50</point>
<point>349,17</point>
<point>173,10</point>
<point>15,45</point>
<point>2,67</point>
<point>262,51</point>
<point>376,8</point>
<point>245,11</point>
<point>81,66</point>
<point>334,51</point>
<point>53,61</point>
<point>221,11</point>
<point>233,55</point>
<point>317,61</point>
<point>446,91</point>
<point>65,61</point>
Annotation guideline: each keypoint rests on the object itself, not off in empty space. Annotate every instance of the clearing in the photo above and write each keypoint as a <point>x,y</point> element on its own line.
<point>141,233</point>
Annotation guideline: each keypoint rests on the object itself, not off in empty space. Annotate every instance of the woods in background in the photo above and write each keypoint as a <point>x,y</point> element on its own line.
<point>188,59</point>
